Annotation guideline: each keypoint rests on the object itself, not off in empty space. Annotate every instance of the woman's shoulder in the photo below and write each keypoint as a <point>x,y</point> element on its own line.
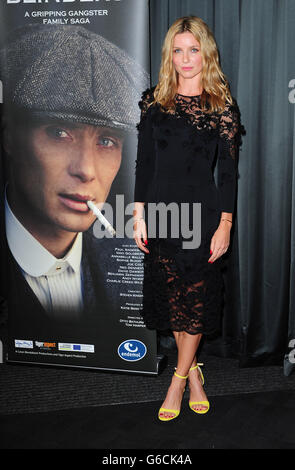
<point>230,120</point>
<point>232,109</point>
<point>147,97</point>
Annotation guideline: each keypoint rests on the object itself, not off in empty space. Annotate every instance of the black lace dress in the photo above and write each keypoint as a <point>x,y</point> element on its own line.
<point>175,160</point>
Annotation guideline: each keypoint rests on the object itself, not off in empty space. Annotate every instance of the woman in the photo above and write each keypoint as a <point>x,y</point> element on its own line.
<point>187,120</point>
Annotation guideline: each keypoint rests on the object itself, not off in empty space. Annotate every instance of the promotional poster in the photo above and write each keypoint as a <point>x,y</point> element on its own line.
<point>72,76</point>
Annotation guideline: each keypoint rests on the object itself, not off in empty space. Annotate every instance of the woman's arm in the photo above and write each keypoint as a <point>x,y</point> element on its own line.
<point>145,150</point>
<point>143,171</point>
<point>227,159</point>
<point>227,178</point>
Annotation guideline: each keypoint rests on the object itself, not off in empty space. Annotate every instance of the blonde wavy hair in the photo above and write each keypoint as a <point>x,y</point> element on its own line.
<point>216,92</point>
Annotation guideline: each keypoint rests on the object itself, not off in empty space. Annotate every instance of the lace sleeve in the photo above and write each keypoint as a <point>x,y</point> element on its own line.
<point>144,165</point>
<point>228,145</point>
<point>143,104</point>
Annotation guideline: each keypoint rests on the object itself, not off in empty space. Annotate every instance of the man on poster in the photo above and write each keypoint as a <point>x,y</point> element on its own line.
<point>70,99</point>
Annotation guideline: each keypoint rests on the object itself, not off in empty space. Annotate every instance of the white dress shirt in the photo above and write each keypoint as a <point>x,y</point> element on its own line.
<point>55,282</point>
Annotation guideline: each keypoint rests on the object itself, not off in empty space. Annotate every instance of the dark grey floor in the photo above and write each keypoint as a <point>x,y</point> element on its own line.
<point>59,408</point>
<point>30,389</point>
<point>264,420</point>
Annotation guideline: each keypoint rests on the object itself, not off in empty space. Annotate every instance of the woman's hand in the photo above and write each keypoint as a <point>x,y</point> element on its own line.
<point>139,233</point>
<point>220,241</point>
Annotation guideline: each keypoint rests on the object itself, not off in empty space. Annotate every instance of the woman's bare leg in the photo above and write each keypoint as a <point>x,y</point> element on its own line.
<point>187,346</point>
<point>176,336</point>
<point>196,388</point>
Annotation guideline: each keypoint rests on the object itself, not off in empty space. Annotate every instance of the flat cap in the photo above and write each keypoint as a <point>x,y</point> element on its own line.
<point>70,73</point>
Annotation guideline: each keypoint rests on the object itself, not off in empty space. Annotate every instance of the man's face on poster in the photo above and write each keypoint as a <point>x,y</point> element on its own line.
<point>57,166</point>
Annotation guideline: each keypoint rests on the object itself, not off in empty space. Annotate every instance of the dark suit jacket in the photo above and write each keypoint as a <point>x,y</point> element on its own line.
<point>100,323</point>
<point>27,317</point>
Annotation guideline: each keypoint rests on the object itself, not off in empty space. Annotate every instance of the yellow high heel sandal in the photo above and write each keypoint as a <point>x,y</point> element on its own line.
<point>176,412</point>
<point>204,402</point>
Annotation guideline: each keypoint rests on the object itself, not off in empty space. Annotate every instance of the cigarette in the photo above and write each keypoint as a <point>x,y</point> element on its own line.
<point>101,218</point>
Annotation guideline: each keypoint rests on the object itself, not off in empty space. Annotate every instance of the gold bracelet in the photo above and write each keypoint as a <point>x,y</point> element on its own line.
<point>228,220</point>
<point>139,218</point>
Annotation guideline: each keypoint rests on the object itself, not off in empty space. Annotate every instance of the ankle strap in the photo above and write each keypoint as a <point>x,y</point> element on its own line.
<point>197,366</point>
<point>181,376</point>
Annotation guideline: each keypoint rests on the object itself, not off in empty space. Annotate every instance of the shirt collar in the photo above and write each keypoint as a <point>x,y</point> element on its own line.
<point>31,256</point>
